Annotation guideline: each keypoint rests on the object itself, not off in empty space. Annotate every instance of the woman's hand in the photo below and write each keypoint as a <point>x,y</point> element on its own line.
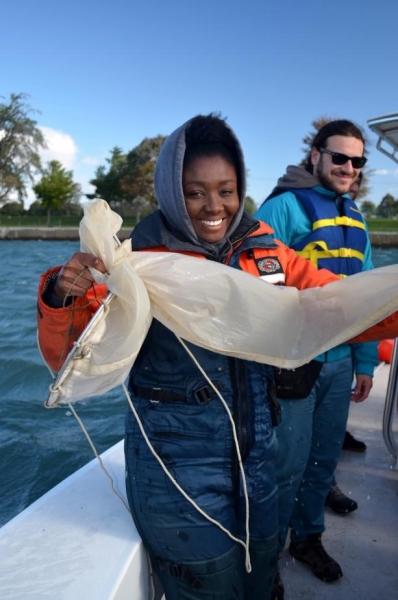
<point>75,278</point>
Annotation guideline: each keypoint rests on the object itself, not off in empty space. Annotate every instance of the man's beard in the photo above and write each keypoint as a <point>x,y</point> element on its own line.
<point>328,183</point>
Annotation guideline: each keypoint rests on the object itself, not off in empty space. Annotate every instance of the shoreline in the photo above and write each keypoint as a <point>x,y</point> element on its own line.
<point>50,233</point>
<point>378,239</point>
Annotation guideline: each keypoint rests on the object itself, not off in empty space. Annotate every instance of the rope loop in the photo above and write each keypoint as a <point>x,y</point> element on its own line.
<point>55,388</point>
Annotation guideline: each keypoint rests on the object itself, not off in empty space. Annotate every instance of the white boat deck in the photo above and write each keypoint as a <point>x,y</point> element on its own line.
<point>365,542</point>
<point>78,541</point>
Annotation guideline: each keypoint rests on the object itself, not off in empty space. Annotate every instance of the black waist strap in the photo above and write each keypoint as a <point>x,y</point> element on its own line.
<point>157,394</point>
<point>202,395</point>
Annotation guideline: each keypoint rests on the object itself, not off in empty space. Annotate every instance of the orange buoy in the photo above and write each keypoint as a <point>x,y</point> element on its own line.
<point>385,349</point>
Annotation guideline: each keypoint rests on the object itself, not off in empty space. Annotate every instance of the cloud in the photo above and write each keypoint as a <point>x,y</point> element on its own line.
<point>63,148</point>
<point>60,146</point>
<point>384,172</point>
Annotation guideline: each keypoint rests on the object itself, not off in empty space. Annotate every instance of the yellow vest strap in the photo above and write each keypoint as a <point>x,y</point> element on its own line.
<point>316,250</point>
<point>337,221</point>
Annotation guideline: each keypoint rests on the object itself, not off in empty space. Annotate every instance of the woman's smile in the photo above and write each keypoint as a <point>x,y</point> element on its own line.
<point>211,196</point>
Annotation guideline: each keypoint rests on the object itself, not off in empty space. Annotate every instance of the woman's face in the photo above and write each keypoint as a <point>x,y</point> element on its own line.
<point>210,188</point>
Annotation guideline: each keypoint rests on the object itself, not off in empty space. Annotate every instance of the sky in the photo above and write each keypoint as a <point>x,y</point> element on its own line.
<point>106,74</point>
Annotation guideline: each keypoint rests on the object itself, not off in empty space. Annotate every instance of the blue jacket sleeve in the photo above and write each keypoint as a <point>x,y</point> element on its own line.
<point>286,215</point>
<point>365,357</point>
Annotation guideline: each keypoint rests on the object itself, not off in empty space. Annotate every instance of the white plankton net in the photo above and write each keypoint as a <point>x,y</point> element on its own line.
<point>211,305</point>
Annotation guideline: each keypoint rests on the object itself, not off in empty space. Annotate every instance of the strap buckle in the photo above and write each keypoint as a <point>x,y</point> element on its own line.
<point>203,394</point>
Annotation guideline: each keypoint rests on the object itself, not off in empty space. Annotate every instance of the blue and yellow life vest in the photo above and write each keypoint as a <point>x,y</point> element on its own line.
<point>338,238</point>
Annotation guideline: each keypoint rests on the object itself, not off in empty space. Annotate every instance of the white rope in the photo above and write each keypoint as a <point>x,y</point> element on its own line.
<point>78,419</point>
<point>242,471</point>
<point>101,464</point>
<point>190,500</point>
<point>235,539</point>
<point>169,475</point>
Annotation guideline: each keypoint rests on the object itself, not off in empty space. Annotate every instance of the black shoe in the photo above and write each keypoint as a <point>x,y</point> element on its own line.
<point>311,552</point>
<point>339,502</point>
<point>350,443</point>
<point>278,591</point>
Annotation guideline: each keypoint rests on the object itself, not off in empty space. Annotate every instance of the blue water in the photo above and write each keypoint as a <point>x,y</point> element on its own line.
<point>39,447</point>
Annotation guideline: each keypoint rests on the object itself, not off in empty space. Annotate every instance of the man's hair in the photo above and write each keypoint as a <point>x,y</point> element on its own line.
<point>339,127</point>
<point>209,136</point>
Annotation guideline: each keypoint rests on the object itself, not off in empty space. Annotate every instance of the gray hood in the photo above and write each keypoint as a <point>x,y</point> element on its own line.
<point>297,177</point>
<point>169,192</point>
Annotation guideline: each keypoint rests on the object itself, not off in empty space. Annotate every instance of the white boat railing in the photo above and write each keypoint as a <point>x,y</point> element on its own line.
<point>391,407</point>
<point>386,128</point>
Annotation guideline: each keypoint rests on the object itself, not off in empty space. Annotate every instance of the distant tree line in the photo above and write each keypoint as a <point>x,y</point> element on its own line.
<point>125,181</point>
<point>387,209</point>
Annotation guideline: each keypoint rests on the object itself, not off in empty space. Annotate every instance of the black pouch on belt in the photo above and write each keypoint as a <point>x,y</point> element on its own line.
<point>296,383</point>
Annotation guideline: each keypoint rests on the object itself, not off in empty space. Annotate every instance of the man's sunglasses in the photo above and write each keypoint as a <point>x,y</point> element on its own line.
<point>340,159</point>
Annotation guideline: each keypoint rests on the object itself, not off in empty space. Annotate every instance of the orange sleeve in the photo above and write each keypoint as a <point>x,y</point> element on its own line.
<point>58,328</point>
<point>386,329</point>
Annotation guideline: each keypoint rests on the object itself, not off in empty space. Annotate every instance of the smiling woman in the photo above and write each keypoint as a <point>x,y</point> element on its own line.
<point>211,196</point>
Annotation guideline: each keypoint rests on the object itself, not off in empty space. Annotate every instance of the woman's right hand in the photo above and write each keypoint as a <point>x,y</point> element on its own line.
<point>75,278</point>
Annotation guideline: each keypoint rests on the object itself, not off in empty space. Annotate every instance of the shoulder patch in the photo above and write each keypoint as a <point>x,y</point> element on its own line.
<point>269,265</point>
